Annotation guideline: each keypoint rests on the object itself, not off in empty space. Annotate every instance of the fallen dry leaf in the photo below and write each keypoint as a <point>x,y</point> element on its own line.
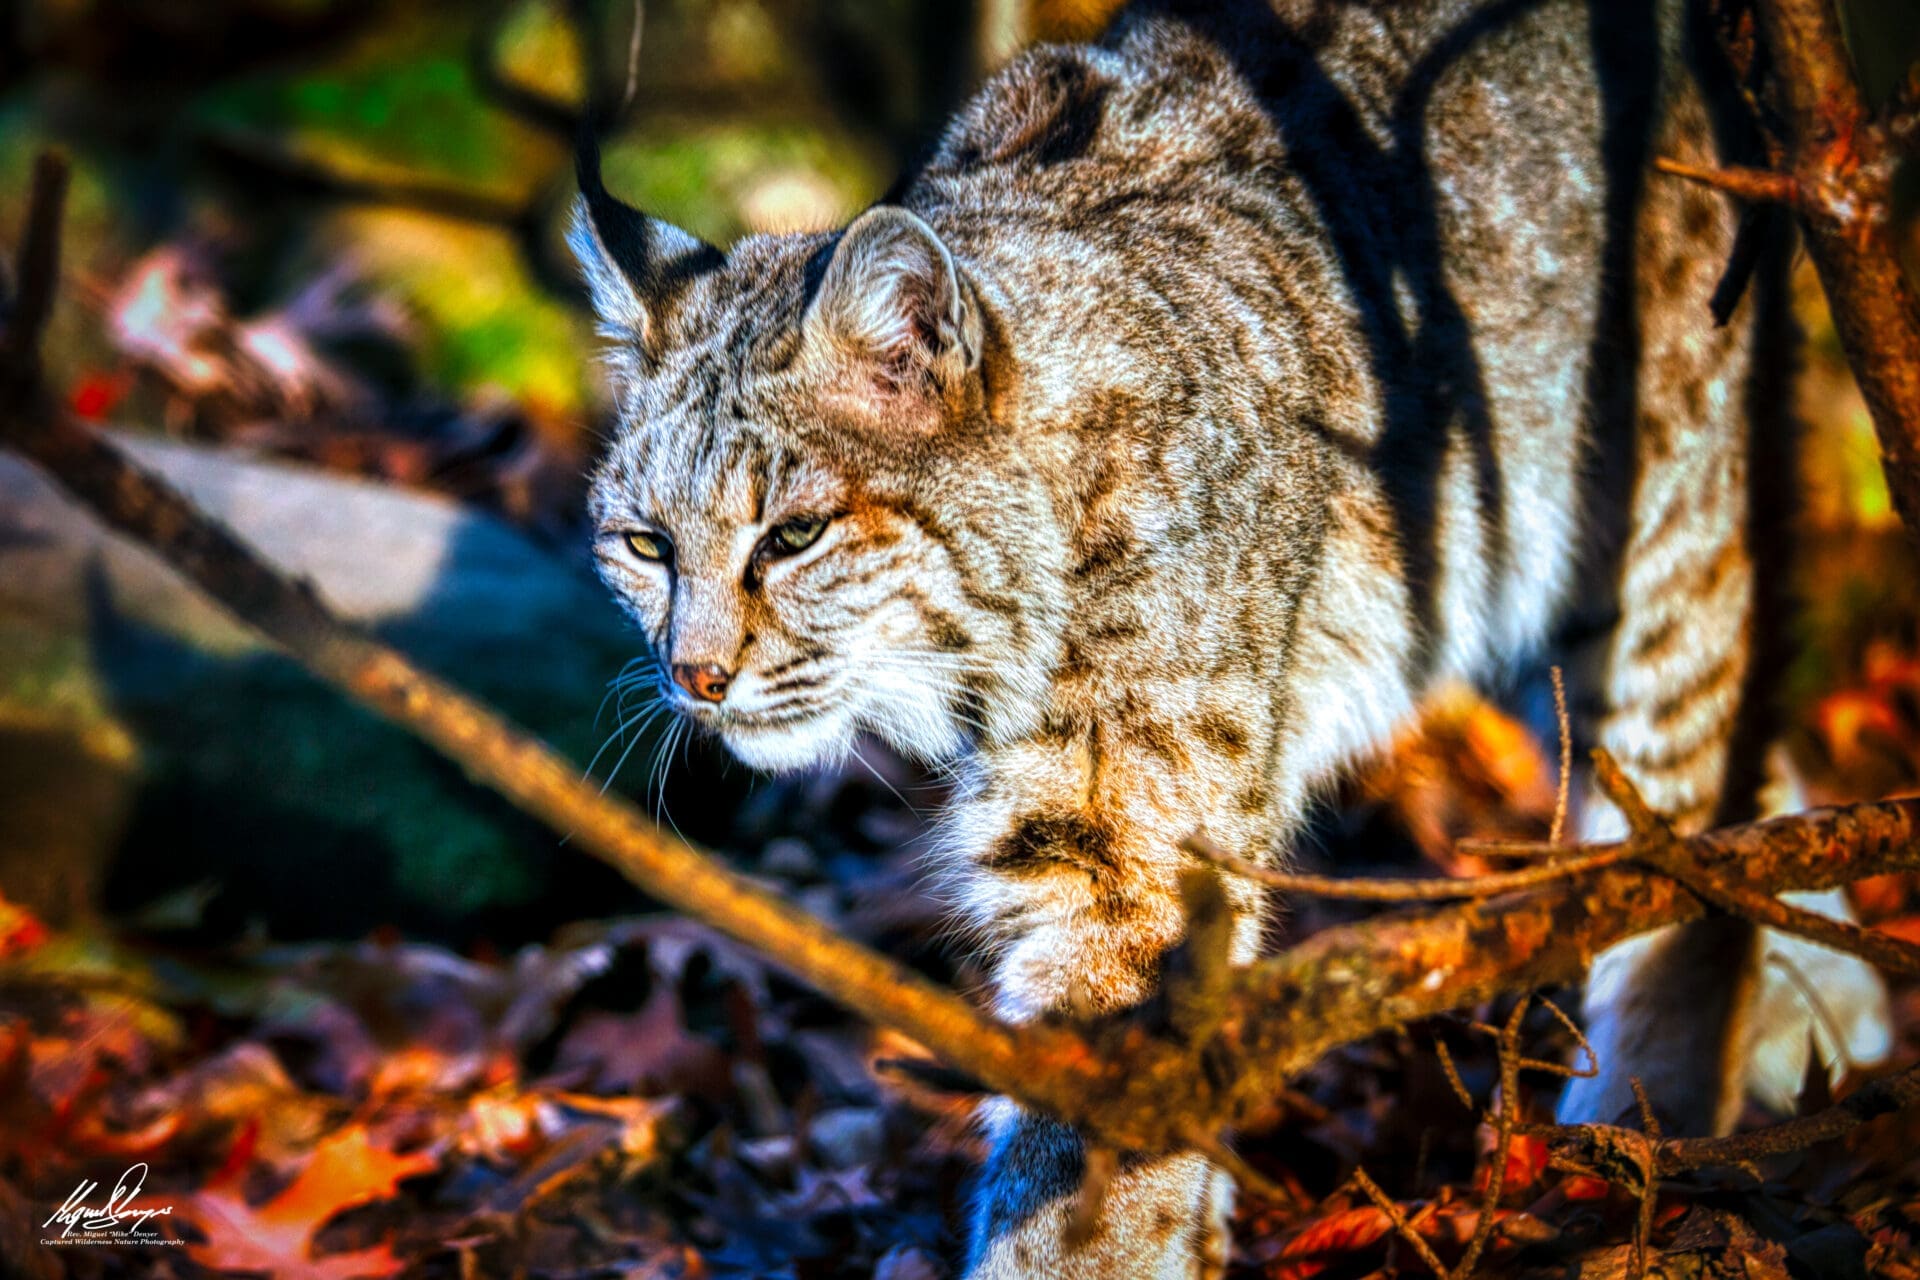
<point>276,1236</point>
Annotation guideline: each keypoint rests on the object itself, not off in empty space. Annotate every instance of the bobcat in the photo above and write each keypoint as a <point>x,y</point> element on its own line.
<point>1210,393</point>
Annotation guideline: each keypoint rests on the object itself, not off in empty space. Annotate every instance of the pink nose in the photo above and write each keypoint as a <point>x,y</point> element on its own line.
<point>707,683</point>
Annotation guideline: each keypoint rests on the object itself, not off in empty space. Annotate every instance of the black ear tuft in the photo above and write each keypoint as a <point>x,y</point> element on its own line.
<point>632,262</point>
<point>654,256</point>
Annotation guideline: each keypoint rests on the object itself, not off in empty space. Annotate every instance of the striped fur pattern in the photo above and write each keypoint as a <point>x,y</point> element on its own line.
<point>1211,393</point>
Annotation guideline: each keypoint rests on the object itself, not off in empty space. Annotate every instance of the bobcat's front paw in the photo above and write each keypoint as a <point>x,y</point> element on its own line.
<point>1214,1248</point>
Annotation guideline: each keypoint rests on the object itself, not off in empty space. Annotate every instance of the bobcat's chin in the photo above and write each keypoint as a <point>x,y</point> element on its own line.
<point>788,746</point>
<point>916,724</point>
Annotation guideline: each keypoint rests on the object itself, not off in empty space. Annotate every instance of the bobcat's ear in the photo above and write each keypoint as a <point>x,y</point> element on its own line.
<point>632,262</point>
<point>893,298</point>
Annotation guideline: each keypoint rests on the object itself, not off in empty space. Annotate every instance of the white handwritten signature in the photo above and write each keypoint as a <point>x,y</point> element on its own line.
<point>119,1211</point>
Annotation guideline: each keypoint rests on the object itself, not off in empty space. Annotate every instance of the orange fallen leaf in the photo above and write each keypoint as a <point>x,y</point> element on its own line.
<point>1447,1226</point>
<point>1526,1161</point>
<point>1582,1186</point>
<point>504,1124</point>
<point>344,1171</point>
<point>1879,897</point>
<point>1852,718</point>
<point>1905,928</point>
<point>20,930</point>
<point>266,1254</point>
<point>93,1135</point>
<point>1343,1232</point>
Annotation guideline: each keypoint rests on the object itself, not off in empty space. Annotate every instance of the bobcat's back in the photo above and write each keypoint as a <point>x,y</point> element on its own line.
<point>1302,312</point>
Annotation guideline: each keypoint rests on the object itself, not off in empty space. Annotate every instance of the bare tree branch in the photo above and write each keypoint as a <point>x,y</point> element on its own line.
<point>1834,164</point>
<point>1350,982</point>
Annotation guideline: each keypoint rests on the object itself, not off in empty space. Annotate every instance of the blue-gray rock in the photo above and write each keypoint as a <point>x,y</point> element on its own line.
<point>148,742</point>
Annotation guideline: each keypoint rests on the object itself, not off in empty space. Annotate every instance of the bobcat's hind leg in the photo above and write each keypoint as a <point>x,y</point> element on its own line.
<point>1702,1013</point>
<point>1662,679</point>
<point>1711,1013</point>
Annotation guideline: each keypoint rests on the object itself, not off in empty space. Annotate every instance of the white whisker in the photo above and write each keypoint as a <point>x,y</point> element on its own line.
<point>639,735</point>
<point>643,717</point>
<point>663,767</point>
<point>881,779</point>
<point>623,681</point>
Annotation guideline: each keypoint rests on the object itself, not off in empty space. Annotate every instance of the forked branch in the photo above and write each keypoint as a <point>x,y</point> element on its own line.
<point>1834,163</point>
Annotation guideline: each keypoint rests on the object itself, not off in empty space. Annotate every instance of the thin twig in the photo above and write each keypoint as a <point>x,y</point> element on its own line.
<point>1871,1100</point>
<point>1505,1113</point>
<point>1563,792</point>
<point>1895,955</point>
<point>1436,890</point>
<point>632,88</point>
<point>1452,1073</point>
<point>1655,845</point>
<point>1642,820</point>
<point>1100,1164</point>
<point>1759,186</point>
<point>1580,1044</point>
<point>1385,1204</point>
<point>1517,850</point>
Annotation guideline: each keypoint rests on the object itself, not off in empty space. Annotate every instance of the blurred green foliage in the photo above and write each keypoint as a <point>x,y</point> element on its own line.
<point>297,134</point>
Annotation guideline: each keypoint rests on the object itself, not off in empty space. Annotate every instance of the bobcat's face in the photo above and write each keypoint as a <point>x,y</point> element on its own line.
<point>784,509</point>
<point>788,610</point>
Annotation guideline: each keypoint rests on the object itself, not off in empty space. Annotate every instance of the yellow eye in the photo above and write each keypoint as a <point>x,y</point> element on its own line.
<point>796,535</point>
<point>649,546</point>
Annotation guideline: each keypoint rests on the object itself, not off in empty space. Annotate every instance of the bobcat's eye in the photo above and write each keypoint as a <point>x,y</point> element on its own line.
<point>795,536</point>
<point>650,546</point>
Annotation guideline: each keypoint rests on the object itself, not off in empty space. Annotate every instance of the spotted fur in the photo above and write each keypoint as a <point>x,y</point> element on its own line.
<point>1211,393</point>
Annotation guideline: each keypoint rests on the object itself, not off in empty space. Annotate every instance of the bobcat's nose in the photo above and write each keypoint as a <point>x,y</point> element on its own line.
<point>707,683</point>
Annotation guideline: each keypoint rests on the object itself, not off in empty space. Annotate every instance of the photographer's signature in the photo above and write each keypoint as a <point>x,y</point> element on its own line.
<point>119,1216</point>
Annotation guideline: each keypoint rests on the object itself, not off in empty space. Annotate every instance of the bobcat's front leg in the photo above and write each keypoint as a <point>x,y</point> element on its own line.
<point>1071,870</point>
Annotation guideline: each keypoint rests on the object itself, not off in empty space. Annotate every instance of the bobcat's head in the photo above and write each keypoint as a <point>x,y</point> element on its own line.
<point>806,505</point>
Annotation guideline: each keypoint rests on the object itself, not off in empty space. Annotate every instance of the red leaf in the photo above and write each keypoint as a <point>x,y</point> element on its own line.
<point>20,930</point>
<point>1905,928</point>
<point>1526,1161</point>
<point>344,1171</point>
<point>1344,1232</point>
<point>96,394</point>
<point>1582,1187</point>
